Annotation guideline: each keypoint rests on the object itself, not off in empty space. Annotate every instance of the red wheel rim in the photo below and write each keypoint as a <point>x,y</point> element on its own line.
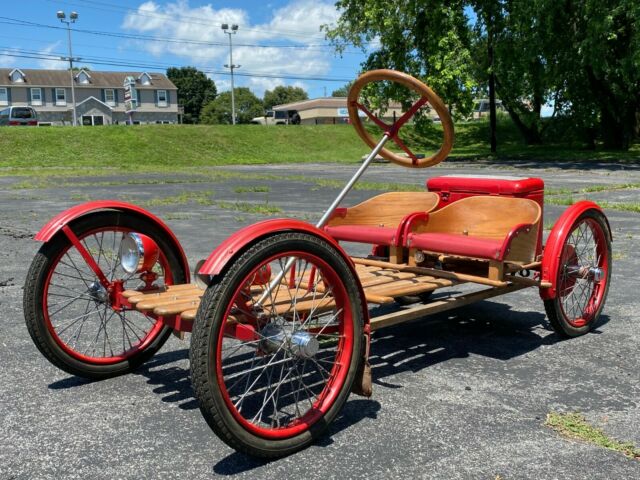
<point>138,330</point>
<point>584,272</point>
<point>276,396</point>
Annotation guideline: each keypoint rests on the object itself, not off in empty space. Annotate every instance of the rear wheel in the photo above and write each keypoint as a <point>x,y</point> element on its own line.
<point>73,316</point>
<point>270,375</point>
<point>583,276</point>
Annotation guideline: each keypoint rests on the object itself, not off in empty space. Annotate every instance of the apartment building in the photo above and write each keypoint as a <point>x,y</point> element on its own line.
<point>99,96</point>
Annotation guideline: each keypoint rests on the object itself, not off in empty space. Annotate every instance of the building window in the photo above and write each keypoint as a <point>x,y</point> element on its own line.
<point>17,76</point>
<point>110,97</point>
<point>83,78</point>
<point>61,97</point>
<point>162,98</point>
<point>36,96</point>
<point>4,96</point>
<point>145,79</point>
<point>92,120</point>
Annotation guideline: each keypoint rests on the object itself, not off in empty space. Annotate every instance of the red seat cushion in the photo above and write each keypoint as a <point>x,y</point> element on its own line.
<point>363,234</point>
<point>453,244</point>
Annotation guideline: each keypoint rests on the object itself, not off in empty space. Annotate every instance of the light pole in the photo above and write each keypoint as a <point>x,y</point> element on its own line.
<point>73,16</point>
<point>232,67</point>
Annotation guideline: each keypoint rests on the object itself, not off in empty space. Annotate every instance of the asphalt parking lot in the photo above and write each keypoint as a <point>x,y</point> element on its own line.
<point>462,394</point>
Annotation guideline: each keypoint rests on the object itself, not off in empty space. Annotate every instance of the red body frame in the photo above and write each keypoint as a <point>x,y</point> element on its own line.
<point>60,221</point>
<point>553,247</point>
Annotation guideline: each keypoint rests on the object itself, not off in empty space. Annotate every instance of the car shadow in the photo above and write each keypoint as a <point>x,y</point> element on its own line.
<point>488,329</point>
<point>353,412</point>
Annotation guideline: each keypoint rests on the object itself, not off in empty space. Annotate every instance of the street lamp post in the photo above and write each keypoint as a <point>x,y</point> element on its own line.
<point>73,16</point>
<point>232,67</point>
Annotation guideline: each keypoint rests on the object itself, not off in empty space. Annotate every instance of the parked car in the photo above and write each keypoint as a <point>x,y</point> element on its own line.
<point>278,117</point>
<point>18,116</point>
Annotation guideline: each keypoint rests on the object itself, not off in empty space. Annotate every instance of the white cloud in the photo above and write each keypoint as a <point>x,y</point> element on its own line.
<point>5,60</point>
<point>51,63</point>
<point>296,24</point>
<point>303,18</point>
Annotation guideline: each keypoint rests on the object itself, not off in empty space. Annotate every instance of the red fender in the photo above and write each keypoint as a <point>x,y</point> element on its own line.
<point>553,247</point>
<point>54,225</point>
<point>241,240</point>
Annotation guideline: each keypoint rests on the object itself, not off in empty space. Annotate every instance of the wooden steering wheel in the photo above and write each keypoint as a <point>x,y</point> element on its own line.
<point>426,95</point>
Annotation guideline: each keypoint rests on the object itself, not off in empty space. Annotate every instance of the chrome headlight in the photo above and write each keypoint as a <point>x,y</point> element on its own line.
<point>138,253</point>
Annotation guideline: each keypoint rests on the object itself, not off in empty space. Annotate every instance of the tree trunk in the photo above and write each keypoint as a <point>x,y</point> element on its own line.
<point>492,92</point>
<point>618,114</point>
<point>531,135</point>
<point>617,130</point>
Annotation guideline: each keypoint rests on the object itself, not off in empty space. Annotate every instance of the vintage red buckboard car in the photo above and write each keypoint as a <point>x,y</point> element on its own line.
<point>279,313</point>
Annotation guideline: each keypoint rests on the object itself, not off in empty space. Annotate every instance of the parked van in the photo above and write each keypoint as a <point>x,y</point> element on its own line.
<point>278,117</point>
<point>18,116</point>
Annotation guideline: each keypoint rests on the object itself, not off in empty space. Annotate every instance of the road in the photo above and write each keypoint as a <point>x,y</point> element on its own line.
<point>462,394</point>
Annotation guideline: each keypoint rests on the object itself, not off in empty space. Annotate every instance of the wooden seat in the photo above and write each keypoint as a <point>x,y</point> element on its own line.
<point>486,227</point>
<point>379,220</point>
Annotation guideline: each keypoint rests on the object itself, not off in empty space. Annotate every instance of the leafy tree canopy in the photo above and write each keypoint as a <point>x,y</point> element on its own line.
<point>342,91</point>
<point>281,95</point>
<point>195,90</point>
<point>248,106</point>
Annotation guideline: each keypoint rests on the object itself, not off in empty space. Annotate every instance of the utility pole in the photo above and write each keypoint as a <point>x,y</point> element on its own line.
<point>232,67</point>
<point>73,16</point>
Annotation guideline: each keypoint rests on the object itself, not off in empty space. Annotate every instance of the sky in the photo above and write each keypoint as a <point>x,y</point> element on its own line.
<point>278,42</point>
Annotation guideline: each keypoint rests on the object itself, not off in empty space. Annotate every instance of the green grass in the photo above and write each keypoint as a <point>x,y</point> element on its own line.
<point>255,189</point>
<point>258,208</point>
<point>68,151</point>
<point>575,426</point>
<point>202,198</point>
<point>633,207</point>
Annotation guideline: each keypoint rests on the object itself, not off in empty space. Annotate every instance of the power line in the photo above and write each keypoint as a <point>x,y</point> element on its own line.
<point>134,64</point>
<point>110,7</point>
<point>25,23</point>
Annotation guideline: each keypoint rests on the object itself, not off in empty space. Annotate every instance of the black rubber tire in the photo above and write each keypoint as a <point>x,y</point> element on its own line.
<point>38,272</point>
<point>555,314</point>
<point>207,326</point>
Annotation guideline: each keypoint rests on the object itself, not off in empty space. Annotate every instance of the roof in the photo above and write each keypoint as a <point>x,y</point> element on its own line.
<point>323,102</point>
<point>326,102</point>
<point>60,78</point>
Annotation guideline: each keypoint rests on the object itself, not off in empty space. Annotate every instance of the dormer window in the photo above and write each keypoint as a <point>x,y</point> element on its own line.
<point>145,79</point>
<point>17,76</point>
<point>83,78</point>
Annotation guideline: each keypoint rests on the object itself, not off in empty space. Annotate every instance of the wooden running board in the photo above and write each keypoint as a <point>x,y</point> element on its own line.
<point>380,285</point>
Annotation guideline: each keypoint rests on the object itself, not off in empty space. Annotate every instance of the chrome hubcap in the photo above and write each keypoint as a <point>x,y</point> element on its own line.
<point>98,292</point>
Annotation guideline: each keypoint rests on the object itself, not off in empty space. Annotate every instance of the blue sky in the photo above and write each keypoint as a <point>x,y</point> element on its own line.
<point>276,39</point>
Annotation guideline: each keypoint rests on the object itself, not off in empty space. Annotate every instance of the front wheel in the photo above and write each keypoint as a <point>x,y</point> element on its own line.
<point>583,276</point>
<point>73,316</point>
<point>274,355</point>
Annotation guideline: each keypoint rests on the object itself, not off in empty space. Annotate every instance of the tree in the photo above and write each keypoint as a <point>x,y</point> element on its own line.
<point>606,53</point>
<point>195,89</point>
<point>248,106</point>
<point>281,95</point>
<point>342,91</point>
<point>426,38</point>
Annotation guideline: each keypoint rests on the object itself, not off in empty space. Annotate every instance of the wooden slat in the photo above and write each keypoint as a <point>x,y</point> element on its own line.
<point>153,303</point>
<point>165,296</point>
<point>458,277</point>
<point>410,287</point>
<point>438,306</point>
<point>176,308</point>
<point>189,315</point>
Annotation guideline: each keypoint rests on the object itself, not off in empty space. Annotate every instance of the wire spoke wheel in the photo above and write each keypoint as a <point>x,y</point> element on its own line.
<point>75,318</point>
<point>276,345</point>
<point>583,276</point>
